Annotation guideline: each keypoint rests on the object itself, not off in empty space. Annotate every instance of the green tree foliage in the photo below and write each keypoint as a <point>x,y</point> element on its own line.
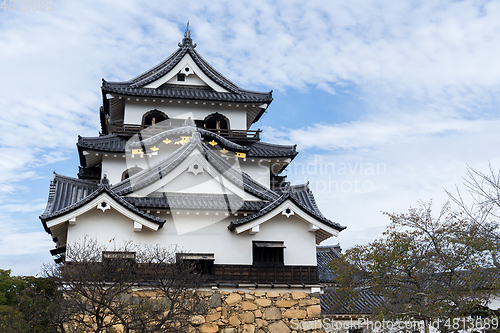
<point>424,267</point>
<point>28,304</point>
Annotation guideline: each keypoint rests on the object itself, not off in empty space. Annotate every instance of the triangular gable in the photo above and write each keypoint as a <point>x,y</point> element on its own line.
<point>61,210</point>
<point>297,201</point>
<point>194,174</point>
<point>104,201</point>
<point>194,75</point>
<point>184,158</point>
<point>288,208</point>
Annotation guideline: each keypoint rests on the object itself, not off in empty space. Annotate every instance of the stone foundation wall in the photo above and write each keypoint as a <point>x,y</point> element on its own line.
<point>258,312</point>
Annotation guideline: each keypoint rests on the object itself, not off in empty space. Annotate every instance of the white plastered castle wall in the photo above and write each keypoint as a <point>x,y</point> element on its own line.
<point>134,110</point>
<point>113,168</point>
<point>259,170</point>
<point>205,234</point>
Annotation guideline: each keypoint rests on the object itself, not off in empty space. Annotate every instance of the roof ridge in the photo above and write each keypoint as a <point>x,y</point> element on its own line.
<point>72,179</point>
<point>165,166</point>
<point>258,189</point>
<point>263,143</point>
<point>287,194</point>
<point>173,160</point>
<point>102,188</point>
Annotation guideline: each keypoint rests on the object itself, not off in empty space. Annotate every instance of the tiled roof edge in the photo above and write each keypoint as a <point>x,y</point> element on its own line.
<point>288,194</point>
<point>97,192</point>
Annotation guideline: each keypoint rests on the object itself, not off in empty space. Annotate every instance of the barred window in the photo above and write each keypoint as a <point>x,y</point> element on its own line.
<point>269,253</point>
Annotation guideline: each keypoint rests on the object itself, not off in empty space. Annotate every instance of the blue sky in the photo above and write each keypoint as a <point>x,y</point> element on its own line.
<point>393,99</point>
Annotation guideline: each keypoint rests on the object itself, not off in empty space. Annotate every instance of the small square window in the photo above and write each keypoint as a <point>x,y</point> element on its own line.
<point>268,253</point>
<point>118,265</point>
<point>203,263</point>
<point>181,77</point>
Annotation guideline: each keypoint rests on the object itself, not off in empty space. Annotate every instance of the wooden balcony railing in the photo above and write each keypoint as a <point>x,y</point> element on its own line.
<point>132,129</point>
<point>233,135</point>
<point>266,274</point>
<point>233,274</point>
<point>237,135</point>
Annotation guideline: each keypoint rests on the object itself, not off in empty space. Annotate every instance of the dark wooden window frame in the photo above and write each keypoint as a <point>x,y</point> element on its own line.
<point>268,253</point>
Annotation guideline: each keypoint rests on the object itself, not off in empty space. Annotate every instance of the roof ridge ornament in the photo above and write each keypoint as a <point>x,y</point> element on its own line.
<point>187,42</point>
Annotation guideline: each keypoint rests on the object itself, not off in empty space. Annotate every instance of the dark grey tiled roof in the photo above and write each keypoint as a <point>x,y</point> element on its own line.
<point>65,191</point>
<point>158,171</point>
<point>263,149</point>
<point>67,194</point>
<point>197,201</point>
<point>114,143</point>
<point>324,256</point>
<point>364,303</point>
<point>302,196</point>
<point>111,143</point>
<point>236,94</point>
<point>182,92</point>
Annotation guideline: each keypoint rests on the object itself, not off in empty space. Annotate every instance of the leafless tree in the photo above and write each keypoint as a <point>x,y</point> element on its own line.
<point>130,289</point>
<point>481,207</point>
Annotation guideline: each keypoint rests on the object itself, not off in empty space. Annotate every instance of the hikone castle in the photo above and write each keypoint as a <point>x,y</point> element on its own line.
<point>177,162</point>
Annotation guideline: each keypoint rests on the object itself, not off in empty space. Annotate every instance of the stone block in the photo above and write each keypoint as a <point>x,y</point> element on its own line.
<point>247,317</point>
<point>247,306</point>
<point>260,323</point>
<point>299,295</point>
<point>212,317</point>
<point>241,292</point>
<point>279,327</point>
<point>209,328</point>
<point>286,303</point>
<point>299,314</point>
<point>285,295</point>
<point>215,300</point>
<point>233,299</point>
<point>314,311</point>
<point>234,321</point>
<point>308,301</point>
<point>263,302</point>
<point>257,313</point>
<point>273,294</point>
<point>260,293</point>
<point>272,314</point>
<point>249,296</point>
<point>230,330</point>
<point>197,320</point>
<point>248,328</point>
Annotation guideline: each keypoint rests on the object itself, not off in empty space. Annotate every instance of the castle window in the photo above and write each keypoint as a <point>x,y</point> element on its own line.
<point>118,265</point>
<point>153,117</point>
<point>130,172</point>
<point>203,262</point>
<point>268,253</point>
<point>181,77</point>
<point>217,122</point>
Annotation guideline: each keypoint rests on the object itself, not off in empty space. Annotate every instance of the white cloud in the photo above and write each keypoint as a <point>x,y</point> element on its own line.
<point>24,244</point>
<point>23,207</point>
<point>361,170</point>
<point>428,72</point>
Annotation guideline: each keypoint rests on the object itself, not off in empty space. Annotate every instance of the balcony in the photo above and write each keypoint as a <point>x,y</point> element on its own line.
<point>266,274</point>
<point>146,130</point>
